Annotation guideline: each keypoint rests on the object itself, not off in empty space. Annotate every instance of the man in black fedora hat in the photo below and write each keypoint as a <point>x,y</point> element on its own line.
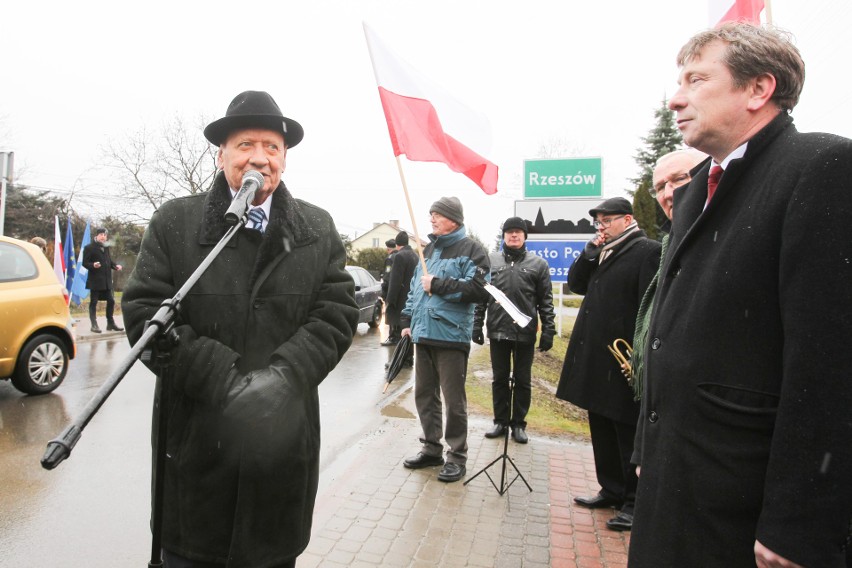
<point>264,325</point>
<point>612,272</point>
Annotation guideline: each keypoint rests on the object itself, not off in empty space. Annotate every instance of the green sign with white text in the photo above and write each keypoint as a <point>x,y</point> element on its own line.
<point>564,177</point>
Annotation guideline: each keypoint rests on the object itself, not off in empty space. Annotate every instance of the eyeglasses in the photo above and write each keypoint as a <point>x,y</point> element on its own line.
<point>676,180</point>
<point>605,223</point>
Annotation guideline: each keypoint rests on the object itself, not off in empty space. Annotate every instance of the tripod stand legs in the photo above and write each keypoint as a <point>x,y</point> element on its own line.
<point>504,457</point>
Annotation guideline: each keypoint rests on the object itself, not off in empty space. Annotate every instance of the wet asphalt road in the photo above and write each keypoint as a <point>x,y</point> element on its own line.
<point>93,509</point>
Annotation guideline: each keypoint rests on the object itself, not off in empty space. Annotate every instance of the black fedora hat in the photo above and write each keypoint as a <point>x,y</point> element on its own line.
<point>254,109</point>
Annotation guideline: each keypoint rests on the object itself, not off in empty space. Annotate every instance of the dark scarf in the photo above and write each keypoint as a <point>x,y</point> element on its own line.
<point>514,255</point>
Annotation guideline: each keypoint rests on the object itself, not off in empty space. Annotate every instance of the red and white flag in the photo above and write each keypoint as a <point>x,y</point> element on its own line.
<point>722,11</point>
<point>426,123</point>
<point>58,261</point>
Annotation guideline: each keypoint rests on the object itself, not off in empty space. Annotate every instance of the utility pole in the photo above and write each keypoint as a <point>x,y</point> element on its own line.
<point>7,160</point>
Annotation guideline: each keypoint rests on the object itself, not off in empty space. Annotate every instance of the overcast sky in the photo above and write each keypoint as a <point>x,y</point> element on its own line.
<point>590,74</point>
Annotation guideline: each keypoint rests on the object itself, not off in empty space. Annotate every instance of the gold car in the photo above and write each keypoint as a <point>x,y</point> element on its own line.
<point>36,339</point>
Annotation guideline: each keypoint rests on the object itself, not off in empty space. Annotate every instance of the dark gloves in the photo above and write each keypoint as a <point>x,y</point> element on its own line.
<point>545,343</point>
<point>591,250</point>
<point>202,366</point>
<point>477,336</point>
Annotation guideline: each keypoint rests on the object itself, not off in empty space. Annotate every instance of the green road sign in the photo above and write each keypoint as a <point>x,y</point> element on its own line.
<point>564,177</point>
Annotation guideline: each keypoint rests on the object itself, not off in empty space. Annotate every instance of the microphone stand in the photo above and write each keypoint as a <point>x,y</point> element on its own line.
<point>504,486</point>
<point>154,343</point>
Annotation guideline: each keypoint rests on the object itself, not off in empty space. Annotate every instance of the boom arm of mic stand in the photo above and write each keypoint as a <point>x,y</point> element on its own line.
<point>60,447</point>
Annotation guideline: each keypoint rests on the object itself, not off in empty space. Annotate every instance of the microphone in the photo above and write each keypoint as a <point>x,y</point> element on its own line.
<point>252,181</point>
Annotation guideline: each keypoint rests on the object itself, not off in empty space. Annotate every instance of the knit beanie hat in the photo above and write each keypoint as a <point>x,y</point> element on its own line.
<point>449,207</point>
<point>515,223</point>
<point>402,238</point>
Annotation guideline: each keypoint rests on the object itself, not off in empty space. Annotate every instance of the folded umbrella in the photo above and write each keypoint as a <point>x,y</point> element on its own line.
<point>401,353</point>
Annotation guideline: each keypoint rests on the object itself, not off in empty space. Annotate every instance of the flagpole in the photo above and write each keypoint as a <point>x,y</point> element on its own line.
<point>411,215</point>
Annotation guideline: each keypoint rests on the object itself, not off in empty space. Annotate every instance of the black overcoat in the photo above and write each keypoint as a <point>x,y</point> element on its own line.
<point>591,377</point>
<point>243,456</point>
<point>746,426</point>
<point>399,282</point>
<point>98,278</point>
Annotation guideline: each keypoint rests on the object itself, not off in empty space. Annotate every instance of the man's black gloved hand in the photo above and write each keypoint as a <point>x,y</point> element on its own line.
<point>202,365</point>
<point>592,249</point>
<point>545,343</point>
<point>477,336</point>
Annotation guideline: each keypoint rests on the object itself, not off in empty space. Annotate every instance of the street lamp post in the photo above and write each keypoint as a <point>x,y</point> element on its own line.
<point>6,163</point>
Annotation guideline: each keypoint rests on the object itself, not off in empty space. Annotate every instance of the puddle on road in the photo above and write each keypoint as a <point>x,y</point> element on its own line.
<point>395,410</point>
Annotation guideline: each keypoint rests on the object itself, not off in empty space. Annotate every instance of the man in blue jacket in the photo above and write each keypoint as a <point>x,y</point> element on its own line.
<point>439,318</point>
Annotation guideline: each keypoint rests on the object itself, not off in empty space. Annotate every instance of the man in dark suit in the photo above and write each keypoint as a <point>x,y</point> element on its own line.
<point>745,434</point>
<point>613,272</point>
<point>97,261</point>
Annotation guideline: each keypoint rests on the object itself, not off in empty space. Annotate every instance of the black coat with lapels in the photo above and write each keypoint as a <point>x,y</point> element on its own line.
<point>591,376</point>
<point>746,423</point>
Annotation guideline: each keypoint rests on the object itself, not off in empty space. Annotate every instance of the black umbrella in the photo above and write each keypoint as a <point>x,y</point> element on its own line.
<point>401,353</point>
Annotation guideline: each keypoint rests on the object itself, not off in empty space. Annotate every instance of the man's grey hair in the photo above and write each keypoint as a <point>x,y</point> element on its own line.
<point>696,155</point>
<point>752,51</point>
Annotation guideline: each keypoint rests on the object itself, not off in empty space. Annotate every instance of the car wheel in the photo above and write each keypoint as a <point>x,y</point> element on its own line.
<point>42,365</point>
<point>377,317</point>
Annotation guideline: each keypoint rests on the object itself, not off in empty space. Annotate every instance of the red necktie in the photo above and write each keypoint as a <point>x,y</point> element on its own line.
<point>713,181</point>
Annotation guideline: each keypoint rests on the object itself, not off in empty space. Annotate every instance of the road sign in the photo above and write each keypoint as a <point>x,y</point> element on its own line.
<point>557,216</point>
<point>564,177</point>
<point>559,254</point>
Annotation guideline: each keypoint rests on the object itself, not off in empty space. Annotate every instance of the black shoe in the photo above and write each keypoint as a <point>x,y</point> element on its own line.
<point>497,431</point>
<point>95,328</point>
<point>597,502</point>
<point>451,472</point>
<point>519,435</point>
<point>621,522</point>
<point>421,460</point>
<point>390,342</point>
<point>113,327</point>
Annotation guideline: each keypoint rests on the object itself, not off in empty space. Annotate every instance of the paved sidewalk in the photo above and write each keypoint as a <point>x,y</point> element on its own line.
<point>83,328</point>
<point>374,512</point>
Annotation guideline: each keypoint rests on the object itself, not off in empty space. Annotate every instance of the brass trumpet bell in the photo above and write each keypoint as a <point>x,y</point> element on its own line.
<point>622,352</point>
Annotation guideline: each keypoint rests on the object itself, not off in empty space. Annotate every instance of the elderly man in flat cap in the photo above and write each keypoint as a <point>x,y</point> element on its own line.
<point>439,318</point>
<point>266,323</point>
<point>612,272</point>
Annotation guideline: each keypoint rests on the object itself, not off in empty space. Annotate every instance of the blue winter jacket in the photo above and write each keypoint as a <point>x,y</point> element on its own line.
<point>461,268</point>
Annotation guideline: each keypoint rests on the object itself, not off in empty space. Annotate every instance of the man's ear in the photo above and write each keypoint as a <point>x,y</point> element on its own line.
<point>219,158</point>
<point>761,89</point>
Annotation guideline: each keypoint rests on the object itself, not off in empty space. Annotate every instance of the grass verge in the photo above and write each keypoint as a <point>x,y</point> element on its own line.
<point>548,415</point>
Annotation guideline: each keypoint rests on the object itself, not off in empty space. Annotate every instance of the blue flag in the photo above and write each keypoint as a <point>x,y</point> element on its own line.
<point>70,266</point>
<point>78,288</point>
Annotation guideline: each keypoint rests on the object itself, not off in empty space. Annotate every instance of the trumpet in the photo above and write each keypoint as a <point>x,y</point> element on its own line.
<point>623,357</point>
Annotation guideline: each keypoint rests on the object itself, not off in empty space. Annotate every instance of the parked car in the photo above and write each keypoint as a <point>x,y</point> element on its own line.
<point>36,338</point>
<point>368,290</point>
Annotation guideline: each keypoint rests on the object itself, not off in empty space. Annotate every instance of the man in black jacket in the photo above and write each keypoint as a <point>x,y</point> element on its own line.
<point>97,261</point>
<point>745,437</point>
<point>525,279</point>
<point>399,284</point>
<point>613,272</point>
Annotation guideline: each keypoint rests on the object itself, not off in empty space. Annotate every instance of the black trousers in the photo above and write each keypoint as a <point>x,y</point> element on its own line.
<point>96,295</point>
<point>612,445</point>
<point>511,357</point>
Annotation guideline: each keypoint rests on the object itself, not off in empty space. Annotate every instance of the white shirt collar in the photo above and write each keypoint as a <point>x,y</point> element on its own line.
<point>735,155</point>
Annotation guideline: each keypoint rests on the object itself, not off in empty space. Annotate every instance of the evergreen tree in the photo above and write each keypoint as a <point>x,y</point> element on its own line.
<point>661,140</point>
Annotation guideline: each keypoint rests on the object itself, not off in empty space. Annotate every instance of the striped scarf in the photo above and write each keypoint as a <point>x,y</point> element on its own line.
<point>606,251</point>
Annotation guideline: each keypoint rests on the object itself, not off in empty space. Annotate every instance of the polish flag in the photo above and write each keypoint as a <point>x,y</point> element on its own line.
<point>426,123</point>
<point>58,262</point>
<point>722,11</point>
